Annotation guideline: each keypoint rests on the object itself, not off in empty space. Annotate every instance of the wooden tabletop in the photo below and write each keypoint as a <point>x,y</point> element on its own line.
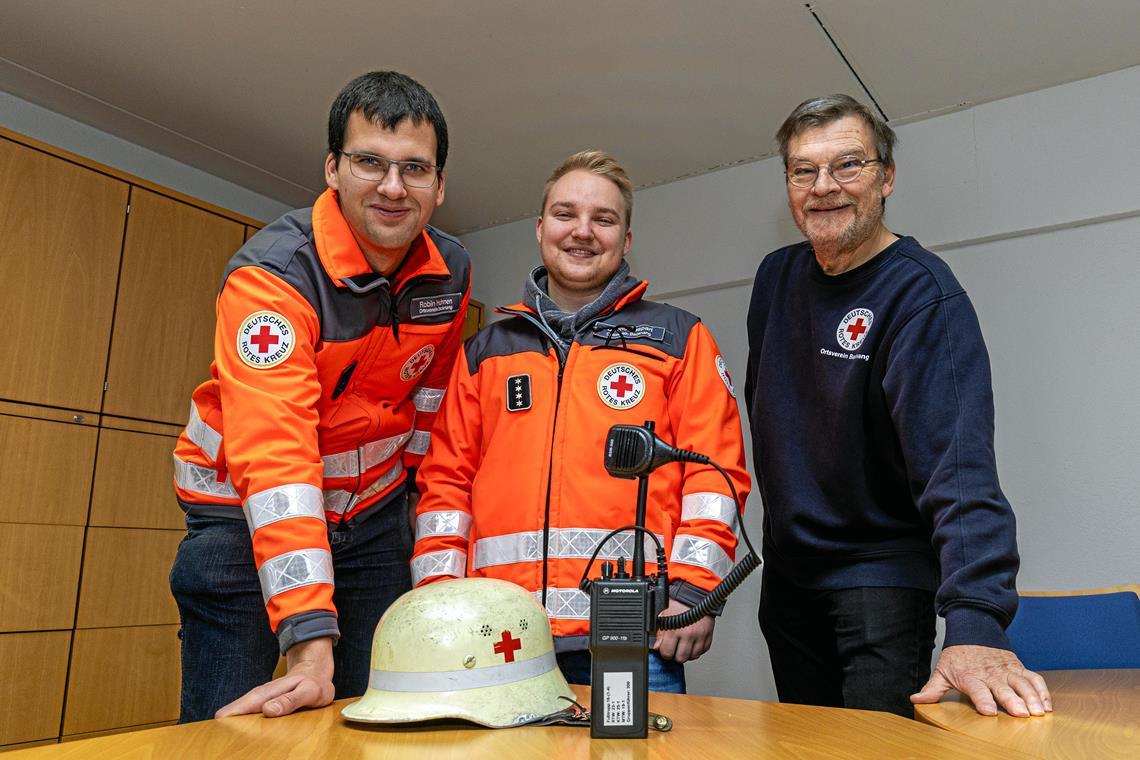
<point>704,727</point>
<point>1096,714</point>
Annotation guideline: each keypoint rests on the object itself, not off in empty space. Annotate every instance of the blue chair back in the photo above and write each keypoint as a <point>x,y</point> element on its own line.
<point>1079,632</point>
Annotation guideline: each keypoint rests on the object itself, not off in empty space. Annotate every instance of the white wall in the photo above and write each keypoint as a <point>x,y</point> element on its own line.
<point>47,126</point>
<point>1035,203</point>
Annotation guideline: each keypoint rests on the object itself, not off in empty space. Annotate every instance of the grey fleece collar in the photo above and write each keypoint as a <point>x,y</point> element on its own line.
<point>565,325</point>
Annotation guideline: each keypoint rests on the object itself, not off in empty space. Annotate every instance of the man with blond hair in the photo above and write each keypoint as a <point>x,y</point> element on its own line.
<point>514,486</point>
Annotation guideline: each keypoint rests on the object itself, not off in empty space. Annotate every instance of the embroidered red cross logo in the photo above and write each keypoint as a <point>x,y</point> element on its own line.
<point>418,363</point>
<point>855,329</point>
<point>507,646</point>
<point>264,339</point>
<point>621,386</point>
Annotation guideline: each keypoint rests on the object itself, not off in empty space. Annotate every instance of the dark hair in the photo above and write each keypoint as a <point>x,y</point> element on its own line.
<point>816,112</point>
<point>387,98</point>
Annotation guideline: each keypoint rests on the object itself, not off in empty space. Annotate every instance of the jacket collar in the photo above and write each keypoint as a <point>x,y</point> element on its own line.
<point>633,295</point>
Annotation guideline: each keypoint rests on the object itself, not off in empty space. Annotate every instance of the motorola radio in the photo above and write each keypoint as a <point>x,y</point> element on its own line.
<point>625,603</point>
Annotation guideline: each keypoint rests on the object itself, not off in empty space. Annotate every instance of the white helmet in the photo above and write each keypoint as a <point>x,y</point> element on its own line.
<point>478,649</point>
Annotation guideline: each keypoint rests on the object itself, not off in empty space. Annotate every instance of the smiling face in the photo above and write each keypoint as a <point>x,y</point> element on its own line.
<point>582,237</point>
<point>843,222</point>
<point>385,217</point>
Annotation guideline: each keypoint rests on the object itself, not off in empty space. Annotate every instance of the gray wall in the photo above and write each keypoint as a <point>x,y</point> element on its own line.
<point>47,126</point>
<point>1035,202</point>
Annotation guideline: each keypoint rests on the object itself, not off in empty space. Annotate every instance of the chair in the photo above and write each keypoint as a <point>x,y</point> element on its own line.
<point>1078,630</point>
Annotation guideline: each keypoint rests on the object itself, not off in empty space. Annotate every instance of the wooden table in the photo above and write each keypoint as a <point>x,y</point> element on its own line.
<point>1096,714</point>
<point>704,727</point>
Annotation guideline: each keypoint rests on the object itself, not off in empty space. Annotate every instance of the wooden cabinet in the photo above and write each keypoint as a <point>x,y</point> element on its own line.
<point>39,575</point>
<point>173,260</point>
<point>61,230</point>
<point>123,677</point>
<point>31,690</point>
<point>94,296</point>
<point>45,468</point>
<point>133,481</point>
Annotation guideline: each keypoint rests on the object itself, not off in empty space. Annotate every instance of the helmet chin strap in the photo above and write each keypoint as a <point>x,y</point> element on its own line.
<point>577,714</point>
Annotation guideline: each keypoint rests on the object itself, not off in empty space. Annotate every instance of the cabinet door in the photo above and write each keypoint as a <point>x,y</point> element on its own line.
<point>61,230</point>
<point>126,578</point>
<point>45,470</point>
<point>31,692</point>
<point>134,485</point>
<point>162,345</point>
<point>123,677</point>
<point>39,576</point>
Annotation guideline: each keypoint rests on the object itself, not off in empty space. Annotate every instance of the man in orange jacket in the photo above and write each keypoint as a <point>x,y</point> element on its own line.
<point>514,486</point>
<point>337,327</point>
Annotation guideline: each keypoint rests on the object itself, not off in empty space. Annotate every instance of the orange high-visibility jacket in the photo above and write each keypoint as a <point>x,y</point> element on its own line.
<point>324,387</point>
<point>514,486</point>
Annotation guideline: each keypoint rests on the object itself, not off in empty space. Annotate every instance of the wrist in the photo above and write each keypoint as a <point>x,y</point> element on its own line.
<point>312,654</point>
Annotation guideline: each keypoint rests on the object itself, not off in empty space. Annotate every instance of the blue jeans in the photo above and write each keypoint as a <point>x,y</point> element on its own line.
<point>227,645</point>
<point>664,675</point>
<point>865,648</point>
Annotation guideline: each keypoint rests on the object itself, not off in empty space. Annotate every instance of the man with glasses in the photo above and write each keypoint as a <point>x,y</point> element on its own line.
<point>869,398</point>
<point>337,326</point>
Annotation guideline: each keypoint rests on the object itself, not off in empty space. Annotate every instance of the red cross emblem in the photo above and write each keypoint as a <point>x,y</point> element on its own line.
<point>621,386</point>
<point>417,363</point>
<point>507,646</point>
<point>264,339</point>
<point>855,329</point>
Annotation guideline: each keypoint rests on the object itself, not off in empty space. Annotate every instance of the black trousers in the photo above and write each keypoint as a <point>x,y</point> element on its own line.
<point>864,648</point>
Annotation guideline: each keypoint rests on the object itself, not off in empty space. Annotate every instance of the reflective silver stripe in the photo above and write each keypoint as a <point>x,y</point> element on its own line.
<point>709,506</point>
<point>421,440</point>
<point>568,543</point>
<point>294,569</point>
<point>565,603</point>
<point>202,435</point>
<point>428,399</point>
<point>347,464</point>
<point>690,550</point>
<point>445,562</point>
<point>202,480</point>
<point>461,680</point>
<point>445,522</point>
<point>283,502</point>
<point>343,501</point>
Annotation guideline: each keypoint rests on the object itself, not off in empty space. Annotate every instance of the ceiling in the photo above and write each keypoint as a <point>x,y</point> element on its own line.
<point>673,88</point>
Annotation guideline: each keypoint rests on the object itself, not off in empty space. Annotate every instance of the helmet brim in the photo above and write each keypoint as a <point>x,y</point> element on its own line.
<point>490,706</point>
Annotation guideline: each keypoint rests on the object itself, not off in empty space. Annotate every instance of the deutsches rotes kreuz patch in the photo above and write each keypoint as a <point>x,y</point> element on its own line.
<point>621,386</point>
<point>722,369</point>
<point>854,328</point>
<point>417,363</point>
<point>265,339</point>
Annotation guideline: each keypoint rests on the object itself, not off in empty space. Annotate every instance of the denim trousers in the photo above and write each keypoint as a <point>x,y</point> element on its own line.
<point>866,648</point>
<point>228,647</point>
<point>664,675</point>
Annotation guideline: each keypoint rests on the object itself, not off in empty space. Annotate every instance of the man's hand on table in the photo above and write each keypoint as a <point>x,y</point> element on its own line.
<point>987,677</point>
<point>307,683</point>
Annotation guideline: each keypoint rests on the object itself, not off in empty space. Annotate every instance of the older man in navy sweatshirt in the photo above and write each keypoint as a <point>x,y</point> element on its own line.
<point>871,411</point>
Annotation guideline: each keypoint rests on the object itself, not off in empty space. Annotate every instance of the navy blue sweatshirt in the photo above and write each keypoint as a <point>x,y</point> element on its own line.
<point>872,420</point>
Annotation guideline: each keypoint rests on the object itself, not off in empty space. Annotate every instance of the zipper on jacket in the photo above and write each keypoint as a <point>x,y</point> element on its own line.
<point>550,467</point>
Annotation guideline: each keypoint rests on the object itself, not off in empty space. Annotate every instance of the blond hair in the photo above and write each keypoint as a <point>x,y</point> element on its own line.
<point>596,162</point>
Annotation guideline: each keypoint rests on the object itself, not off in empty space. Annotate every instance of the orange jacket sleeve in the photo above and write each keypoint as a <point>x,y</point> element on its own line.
<point>269,404</point>
<point>706,419</point>
<point>446,477</point>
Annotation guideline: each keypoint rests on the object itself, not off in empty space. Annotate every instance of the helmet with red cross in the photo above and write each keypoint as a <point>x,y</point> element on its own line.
<point>478,649</point>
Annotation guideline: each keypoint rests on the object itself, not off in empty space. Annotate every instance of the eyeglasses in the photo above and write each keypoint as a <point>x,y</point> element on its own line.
<point>373,168</point>
<point>843,170</point>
